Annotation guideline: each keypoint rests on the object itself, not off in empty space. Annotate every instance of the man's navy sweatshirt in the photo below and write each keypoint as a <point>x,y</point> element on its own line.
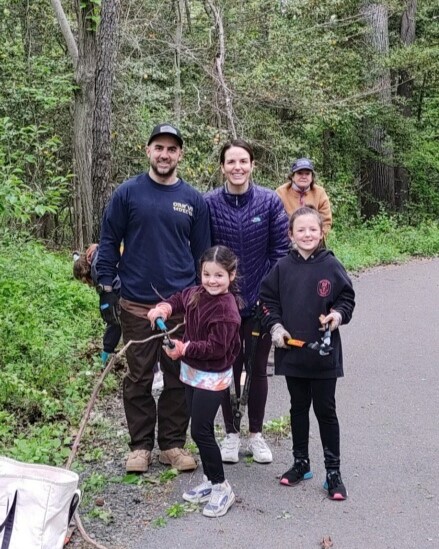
<point>164,230</point>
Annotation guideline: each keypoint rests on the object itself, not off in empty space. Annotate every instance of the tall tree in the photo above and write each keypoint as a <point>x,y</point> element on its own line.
<point>405,92</point>
<point>93,59</point>
<point>378,181</point>
<point>83,121</point>
<point>102,122</point>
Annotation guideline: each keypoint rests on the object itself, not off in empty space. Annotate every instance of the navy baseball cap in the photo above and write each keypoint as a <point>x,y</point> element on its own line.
<point>302,164</point>
<point>166,129</point>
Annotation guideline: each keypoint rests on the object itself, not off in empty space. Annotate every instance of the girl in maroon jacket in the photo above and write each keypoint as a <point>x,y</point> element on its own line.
<point>307,290</point>
<point>209,348</point>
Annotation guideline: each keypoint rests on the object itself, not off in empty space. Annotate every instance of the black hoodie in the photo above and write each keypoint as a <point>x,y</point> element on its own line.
<point>295,293</point>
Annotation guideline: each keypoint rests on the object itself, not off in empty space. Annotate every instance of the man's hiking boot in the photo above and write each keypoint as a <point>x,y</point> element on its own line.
<point>259,449</point>
<point>200,493</point>
<point>178,458</point>
<point>138,461</point>
<point>299,471</point>
<point>230,448</point>
<point>220,501</point>
<point>336,489</point>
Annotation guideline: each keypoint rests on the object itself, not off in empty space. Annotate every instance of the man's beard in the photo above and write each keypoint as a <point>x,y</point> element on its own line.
<point>163,172</point>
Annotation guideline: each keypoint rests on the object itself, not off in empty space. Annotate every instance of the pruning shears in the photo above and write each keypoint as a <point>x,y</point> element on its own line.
<point>323,346</point>
<point>160,323</point>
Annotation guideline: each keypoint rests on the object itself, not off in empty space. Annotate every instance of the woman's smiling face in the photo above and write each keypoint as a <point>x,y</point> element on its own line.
<point>237,169</point>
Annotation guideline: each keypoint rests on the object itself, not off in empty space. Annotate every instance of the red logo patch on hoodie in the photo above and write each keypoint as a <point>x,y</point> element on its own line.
<point>324,288</point>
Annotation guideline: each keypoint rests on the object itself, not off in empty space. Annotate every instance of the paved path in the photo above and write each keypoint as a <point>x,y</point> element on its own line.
<point>388,409</point>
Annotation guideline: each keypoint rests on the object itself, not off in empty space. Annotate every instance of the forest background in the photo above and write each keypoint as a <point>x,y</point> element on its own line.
<point>351,84</point>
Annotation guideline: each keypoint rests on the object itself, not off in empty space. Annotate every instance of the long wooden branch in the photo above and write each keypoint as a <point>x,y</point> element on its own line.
<point>87,413</point>
<point>98,386</point>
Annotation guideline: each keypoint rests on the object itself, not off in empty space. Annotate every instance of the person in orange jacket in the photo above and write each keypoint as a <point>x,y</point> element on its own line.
<point>301,189</point>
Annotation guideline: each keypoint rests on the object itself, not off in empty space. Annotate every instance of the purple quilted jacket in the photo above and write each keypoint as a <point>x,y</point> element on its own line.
<point>255,226</point>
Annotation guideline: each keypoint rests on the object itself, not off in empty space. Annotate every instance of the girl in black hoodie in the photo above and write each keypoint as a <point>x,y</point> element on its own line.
<point>306,291</point>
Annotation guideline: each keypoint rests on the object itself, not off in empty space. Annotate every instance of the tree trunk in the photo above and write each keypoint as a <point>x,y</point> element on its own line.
<point>405,91</point>
<point>327,153</point>
<point>407,37</point>
<point>188,15</point>
<point>83,122</point>
<point>224,96</point>
<point>179,8</point>
<point>101,159</point>
<point>378,182</point>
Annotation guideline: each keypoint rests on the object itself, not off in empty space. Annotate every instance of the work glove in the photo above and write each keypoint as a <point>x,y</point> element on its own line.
<point>279,336</point>
<point>161,310</point>
<point>333,319</point>
<point>178,351</point>
<point>109,307</point>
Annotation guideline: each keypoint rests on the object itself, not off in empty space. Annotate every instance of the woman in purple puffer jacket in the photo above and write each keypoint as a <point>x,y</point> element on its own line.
<point>251,221</point>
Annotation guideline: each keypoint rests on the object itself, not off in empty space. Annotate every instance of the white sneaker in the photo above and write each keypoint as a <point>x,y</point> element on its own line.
<point>221,499</point>
<point>200,493</point>
<point>230,448</point>
<point>259,448</point>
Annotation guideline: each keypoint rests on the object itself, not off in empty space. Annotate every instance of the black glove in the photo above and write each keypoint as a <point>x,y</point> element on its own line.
<point>109,307</point>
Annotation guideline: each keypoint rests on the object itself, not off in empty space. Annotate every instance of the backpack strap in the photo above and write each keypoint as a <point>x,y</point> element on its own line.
<point>8,524</point>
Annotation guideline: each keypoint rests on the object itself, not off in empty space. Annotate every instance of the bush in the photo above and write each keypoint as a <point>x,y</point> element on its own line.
<point>384,239</point>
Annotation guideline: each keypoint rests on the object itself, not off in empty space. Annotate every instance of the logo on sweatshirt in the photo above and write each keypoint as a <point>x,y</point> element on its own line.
<point>183,208</point>
<point>256,219</point>
<point>324,288</point>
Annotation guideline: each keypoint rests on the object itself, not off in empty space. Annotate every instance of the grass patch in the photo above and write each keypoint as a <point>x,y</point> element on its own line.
<point>47,322</point>
<point>384,240</point>
<point>279,428</point>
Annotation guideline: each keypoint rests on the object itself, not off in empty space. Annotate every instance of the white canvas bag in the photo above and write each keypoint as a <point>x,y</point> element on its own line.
<point>36,504</point>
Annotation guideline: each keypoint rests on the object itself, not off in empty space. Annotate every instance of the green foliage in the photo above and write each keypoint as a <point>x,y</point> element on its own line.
<point>47,444</point>
<point>93,13</point>
<point>35,96</point>
<point>45,379</point>
<point>298,77</point>
<point>168,475</point>
<point>280,427</point>
<point>384,240</point>
<point>101,514</point>
<point>94,484</point>
<point>176,511</point>
<point>131,478</point>
<point>33,157</point>
<point>159,522</point>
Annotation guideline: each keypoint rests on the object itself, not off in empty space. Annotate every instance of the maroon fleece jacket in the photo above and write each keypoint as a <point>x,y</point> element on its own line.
<point>212,327</point>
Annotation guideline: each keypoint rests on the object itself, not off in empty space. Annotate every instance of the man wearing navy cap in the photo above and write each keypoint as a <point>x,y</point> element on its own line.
<point>301,189</point>
<point>163,223</point>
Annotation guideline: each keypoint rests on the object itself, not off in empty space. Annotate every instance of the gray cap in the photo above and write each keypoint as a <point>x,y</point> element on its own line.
<point>302,164</point>
<point>166,129</point>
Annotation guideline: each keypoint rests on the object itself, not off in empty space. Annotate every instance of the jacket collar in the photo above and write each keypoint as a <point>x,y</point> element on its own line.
<point>300,190</point>
<point>238,200</point>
